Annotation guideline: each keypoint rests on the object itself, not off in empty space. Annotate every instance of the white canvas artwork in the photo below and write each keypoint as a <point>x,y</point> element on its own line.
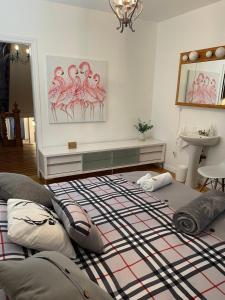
<point>77,90</point>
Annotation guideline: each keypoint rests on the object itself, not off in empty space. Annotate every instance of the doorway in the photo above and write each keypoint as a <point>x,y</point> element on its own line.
<point>17,138</point>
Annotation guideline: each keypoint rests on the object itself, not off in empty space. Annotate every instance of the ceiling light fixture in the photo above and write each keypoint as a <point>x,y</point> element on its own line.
<point>127,11</point>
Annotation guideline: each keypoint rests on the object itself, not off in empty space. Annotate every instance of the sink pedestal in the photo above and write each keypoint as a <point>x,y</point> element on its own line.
<point>194,153</point>
<point>196,143</point>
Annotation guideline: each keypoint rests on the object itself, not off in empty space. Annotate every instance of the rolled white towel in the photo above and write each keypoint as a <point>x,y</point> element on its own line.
<point>156,182</point>
<point>144,178</point>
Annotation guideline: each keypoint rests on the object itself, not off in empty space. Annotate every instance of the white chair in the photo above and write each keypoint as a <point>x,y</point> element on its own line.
<point>215,175</point>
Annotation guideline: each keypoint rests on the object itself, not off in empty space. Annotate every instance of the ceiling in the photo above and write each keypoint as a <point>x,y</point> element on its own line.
<point>155,10</point>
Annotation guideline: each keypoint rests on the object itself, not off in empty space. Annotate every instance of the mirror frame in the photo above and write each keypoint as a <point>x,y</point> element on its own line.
<point>201,58</point>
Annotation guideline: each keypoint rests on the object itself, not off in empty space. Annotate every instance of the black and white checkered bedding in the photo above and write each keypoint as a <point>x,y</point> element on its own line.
<point>145,257</point>
<point>75,214</point>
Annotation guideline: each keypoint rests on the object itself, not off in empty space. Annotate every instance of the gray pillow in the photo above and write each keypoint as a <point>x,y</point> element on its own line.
<point>78,224</point>
<point>19,186</point>
<point>47,276</point>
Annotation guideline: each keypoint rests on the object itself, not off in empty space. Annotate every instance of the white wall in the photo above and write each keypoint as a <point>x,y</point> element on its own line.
<point>20,86</point>
<point>199,29</point>
<point>69,31</point>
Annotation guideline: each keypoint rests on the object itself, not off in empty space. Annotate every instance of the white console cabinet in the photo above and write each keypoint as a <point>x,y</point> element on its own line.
<point>59,161</point>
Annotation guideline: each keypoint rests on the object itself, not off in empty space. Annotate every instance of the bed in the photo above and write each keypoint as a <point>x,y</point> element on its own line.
<point>145,257</point>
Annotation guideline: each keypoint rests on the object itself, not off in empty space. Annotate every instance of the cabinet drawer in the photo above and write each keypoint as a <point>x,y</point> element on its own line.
<point>64,159</point>
<point>151,149</point>
<point>150,156</point>
<point>97,165</point>
<point>97,160</point>
<point>64,168</point>
<point>125,157</point>
<point>104,155</point>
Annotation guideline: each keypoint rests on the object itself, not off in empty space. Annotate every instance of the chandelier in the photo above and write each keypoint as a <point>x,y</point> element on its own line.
<point>127,11</point>
<point>16,56</point>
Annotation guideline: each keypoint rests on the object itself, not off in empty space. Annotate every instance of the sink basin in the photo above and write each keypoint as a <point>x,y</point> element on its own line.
<point>199,140</point>
<point>196,143</point>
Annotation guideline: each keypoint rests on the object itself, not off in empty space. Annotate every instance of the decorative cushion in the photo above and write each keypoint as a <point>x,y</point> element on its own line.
<point>47,276</point>
<point>35,226</point>
<point>78,224</point>
<point>19,186</point>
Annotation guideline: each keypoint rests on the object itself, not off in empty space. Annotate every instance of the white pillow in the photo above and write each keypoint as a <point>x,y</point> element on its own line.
<point>34,226</point>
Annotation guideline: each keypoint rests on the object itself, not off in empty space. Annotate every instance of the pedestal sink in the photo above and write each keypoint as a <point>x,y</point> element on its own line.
<point>196,143</point>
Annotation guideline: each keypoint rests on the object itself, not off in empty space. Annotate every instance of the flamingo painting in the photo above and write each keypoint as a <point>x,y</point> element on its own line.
<point>76,90</point>
<point>202,87</point>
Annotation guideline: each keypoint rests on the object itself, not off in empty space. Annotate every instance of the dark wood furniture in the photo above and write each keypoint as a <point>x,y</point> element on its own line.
<point>15,114</point>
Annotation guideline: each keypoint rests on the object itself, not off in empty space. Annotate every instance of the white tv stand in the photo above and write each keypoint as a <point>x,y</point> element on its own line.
<point>59,161</point>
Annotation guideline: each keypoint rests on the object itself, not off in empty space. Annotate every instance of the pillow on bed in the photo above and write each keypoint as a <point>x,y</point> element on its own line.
<point>35,226</point>
<point>19,186</point>
<point>78,224</point>
<point>45,276</point>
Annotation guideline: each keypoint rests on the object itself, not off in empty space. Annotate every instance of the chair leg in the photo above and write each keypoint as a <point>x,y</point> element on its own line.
<point>204,184</point>
<point>216,183</point>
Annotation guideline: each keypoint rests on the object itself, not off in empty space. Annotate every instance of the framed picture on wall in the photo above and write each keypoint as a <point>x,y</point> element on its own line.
<point>77,90</point>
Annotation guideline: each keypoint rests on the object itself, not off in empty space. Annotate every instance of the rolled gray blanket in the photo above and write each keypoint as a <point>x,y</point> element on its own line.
<point>199,213</point>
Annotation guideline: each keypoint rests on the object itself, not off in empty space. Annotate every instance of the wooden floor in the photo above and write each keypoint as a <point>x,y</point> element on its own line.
<point>20,160</point>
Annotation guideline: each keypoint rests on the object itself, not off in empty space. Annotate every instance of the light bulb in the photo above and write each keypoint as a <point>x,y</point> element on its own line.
<point>119,13</point>
<point>118,2</point>
<point>133,2</point>
<point>17,47</point>
<point>28,51</point>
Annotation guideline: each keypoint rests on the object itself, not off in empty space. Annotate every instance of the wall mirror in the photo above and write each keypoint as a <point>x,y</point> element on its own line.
<point>201,78</point>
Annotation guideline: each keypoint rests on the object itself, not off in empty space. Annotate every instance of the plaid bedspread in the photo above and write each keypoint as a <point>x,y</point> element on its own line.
<point>145,257</point>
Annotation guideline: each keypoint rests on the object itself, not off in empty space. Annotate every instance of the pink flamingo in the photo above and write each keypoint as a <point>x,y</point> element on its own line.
<point>57,86</point>
<point>67,95</point>
<point>191,94</point>
<point>199,94</point>
<point>75,88</point>
<point>88,92</point>
<point>206,98</point>
<point>212,91</point>
<point>100,93</point>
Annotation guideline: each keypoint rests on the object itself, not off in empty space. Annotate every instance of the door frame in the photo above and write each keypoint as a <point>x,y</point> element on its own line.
<point>35,84</point>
